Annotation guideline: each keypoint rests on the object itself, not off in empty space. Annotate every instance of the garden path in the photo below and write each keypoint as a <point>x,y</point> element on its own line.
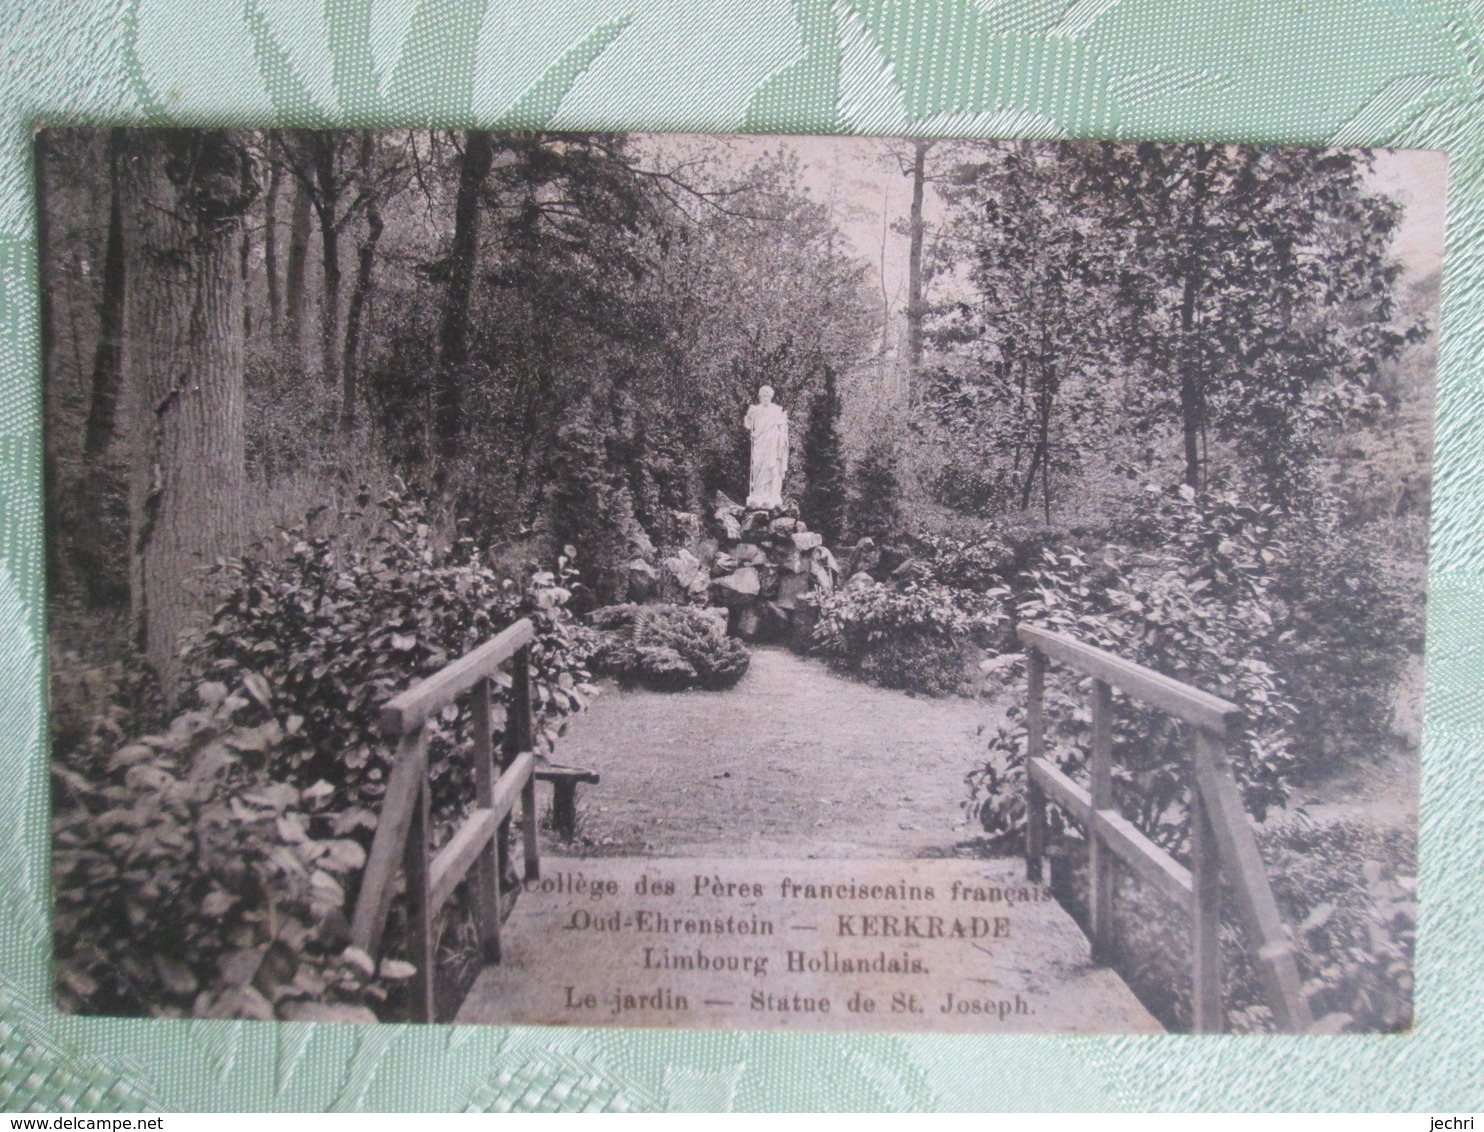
<point>794,761</point>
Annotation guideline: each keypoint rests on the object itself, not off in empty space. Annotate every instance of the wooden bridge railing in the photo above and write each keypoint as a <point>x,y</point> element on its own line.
<point>1220,831</point>
<point>480,843</point>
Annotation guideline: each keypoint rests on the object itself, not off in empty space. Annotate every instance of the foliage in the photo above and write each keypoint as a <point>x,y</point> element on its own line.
<point>1258,285</point>
<point>337,632</point>
<point>823,501</point>
<point>874,491</point>
<point>189,883</point>
<point>667,648</point>
<point>1352,620</point>
<point>1198,610</point>
<point>916,636</point>
<point>967,485</point>
<point>1025,357</point>
<point>1350,894</point>
<point>978,564</point>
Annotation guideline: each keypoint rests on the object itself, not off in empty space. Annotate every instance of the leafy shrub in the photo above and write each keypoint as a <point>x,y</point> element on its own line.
<point>1348,891</point>
<point>665,647</point>
<point>1351,893</point>
<point>336,633</point>
<point>1197,609</point>
<point>978,564</point>
<point>968,487</point>
<point>913,636</point>
<point>230,846</point>
<point>1351,623</point>
<point>187,883</point>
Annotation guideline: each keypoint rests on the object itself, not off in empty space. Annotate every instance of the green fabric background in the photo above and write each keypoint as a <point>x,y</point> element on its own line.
<point>1384,72</point>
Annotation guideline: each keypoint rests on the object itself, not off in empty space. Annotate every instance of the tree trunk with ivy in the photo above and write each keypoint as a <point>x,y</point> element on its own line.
<point>183,200</point>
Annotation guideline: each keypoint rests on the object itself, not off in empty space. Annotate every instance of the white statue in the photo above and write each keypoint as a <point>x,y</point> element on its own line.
<point>768,424</point>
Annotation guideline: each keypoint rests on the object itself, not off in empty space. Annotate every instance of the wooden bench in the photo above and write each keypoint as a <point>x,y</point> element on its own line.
<point>564,780</point>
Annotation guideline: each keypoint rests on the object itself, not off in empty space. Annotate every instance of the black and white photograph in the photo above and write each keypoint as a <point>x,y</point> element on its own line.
<point>736,582</point>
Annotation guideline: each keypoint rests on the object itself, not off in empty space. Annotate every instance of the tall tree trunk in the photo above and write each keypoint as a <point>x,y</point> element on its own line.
<point>914,271</point>
<point>365,267</point>
<point>326,204</point>
<point>41,155</point>
<point>244,258</point>
<point>184,194</point>
<point>99,547</point>
<point>108,356</point>
<point>1192,391</point>
<point>270,251</point>
<point>293,283</point>
<point>453,329</point>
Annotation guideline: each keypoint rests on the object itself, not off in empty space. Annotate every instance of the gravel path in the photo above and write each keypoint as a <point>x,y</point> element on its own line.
<point>794,761</point>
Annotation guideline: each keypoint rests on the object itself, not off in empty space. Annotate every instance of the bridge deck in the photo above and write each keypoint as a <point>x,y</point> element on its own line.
<point>934,945</point>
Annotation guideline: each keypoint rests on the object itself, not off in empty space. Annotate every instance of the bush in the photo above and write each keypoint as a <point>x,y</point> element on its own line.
<point>980,564</point>
<point>1199,610</point>
<point>187,883</point>
<point>1351,624</point>
<point>337,633</point>
<point>1350,894</point>
<point>211,869</point>
<point>967,487</point>
<point>667,648</point>
<point>914,637</point>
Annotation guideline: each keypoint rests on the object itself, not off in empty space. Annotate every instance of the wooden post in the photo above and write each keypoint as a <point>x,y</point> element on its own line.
<point>1236,844</point>
<point>519,735</point>
<point>487,868</point>
<point>1035,747</point>
<point>419,912</point>
<point>1100,858</point>
<point>524,718</point>
<point>1205,917</point>
<point>388,847</point>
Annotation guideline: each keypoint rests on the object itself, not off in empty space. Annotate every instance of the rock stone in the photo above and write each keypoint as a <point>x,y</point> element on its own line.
<point>824,579</point>
<point>642,579</point>
<point>755,521</point>
<point>860,581</point>
<point>773,621</point>
<point>686,569</point>
<point>731,529</point>
<point>738,587</point>
<point>791,587</point>
<point>747,623</point>
<point>801,629</point>
<point>782,525</point>
<point>721,501</point>
<point>723,564</point>
<point>639,541</point>
<point>808,540</point>
<point>750,554</point>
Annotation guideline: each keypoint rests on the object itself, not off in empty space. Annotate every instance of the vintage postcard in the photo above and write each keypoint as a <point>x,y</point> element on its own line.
<point>745,582</point>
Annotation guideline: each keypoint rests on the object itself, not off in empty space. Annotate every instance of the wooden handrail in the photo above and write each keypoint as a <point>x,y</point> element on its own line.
<point>403,712</point>
<point>1180,700</point>
<point>481,842</point>
<point>1222,840</point>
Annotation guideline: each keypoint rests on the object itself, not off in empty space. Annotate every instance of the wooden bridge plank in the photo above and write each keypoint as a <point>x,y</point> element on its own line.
<point>1187,703</point>
<point>1232,831</point>
<point>409,769</point>
<point>456,858</point>
<point>1151,863</point>
<point>405,711</point>
<point>487,865</point>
